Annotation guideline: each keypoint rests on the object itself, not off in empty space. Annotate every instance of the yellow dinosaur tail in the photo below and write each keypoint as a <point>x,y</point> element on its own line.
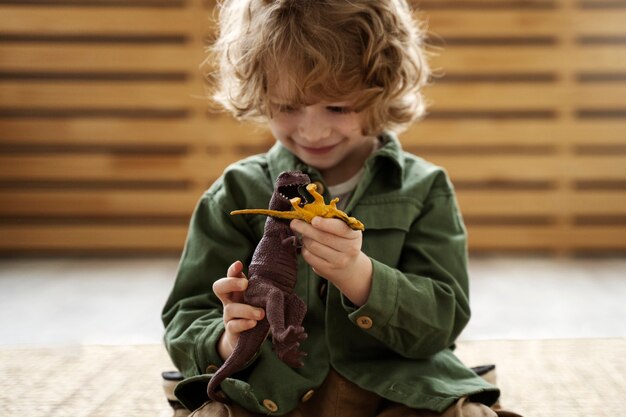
<point>265,212</point>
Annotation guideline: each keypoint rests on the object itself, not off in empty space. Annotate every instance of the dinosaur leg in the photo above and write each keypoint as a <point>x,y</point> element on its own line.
<point>278,305</point>
<point>290,329</point>
<point>295,310</point>
<point>287,349</point>
<point>290,354</point>
<point>275,311</point>
<point>272,300</point>
<point>312,189</point>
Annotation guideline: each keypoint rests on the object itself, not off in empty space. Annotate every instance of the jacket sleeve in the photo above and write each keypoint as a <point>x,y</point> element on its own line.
<point>193,314</point>
<point>420,306</point>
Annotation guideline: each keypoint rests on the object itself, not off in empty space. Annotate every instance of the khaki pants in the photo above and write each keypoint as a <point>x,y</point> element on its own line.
<point>339,397</point>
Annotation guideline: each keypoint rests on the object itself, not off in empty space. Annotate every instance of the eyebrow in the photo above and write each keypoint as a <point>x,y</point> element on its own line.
<point>281,102</point>
<point>284,102</point>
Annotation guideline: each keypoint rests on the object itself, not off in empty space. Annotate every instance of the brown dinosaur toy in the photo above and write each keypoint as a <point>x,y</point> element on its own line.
<point>309,211</point>
<point>272,279</point>
<point>273,273</point>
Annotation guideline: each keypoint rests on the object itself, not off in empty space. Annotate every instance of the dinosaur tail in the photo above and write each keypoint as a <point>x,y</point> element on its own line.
<point>247,346</point>
<point>265,212</point>
<point>228,368</point>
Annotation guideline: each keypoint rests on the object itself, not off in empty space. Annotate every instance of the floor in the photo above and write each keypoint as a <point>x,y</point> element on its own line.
<point>108,301</point>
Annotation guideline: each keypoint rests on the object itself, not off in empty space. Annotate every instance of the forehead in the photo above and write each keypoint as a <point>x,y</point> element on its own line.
<point>281,89</point>
<point>285,86</point>
<point>285,89</point>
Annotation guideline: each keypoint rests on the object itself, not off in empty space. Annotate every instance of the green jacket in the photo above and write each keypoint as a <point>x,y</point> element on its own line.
<point>398,345</point>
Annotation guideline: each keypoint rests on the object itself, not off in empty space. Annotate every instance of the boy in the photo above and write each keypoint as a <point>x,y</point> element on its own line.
<point>334,80</point>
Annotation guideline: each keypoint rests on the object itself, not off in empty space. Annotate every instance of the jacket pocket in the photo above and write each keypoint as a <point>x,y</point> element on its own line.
<point>386,227</point>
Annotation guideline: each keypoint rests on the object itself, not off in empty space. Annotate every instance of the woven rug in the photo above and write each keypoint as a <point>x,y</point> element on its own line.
<point>548,378</point>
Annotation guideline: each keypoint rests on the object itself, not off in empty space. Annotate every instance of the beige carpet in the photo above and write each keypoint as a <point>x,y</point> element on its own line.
<point>550,378</point>
<point>556,378</point>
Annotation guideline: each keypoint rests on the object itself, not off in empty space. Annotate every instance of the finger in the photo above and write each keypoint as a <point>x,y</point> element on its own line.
<point>230,289</point>
<point>236,270</point>
<point>300,227</point>
<point>297,225</point>
<point>237,311</point>
<point>319,265</point>
<point>321,250</point>
<point>334,226</point>
<point>240,325</point>
<point>334,241</point>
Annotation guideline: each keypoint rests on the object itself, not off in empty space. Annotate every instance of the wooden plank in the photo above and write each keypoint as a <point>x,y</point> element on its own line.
<point>600,58</point>
<point>540,203</point>
<point>505,238</point>
<point>523,23</point>
<point>94,95</point>
<point>499,132</point>
<point>69,203</point>
<point>500,167</point>
<point>596,203</point>
<point>531,167</point>
<point>597,96</point>
<point>525,96</point>
<point>509,203</point>
<point>481,132</point>
<point>92,238</point>
<point>481,22</point>
<point>497,59</point>
<point>217,132</point>
<point>484,4</point>
<point>598,238</point>
<point>515,60</point>
<point>98,20</point>
<point>602,22</point>
<point>601,167</point>
<point>532,238</point>
<point>494,96</point>
<point>110,131</point>
<point>90,167</point>
<point>97,57</point>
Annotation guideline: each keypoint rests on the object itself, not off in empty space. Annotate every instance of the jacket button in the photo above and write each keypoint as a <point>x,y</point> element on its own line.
<point>320,187</point>
<point>323,290</point>
<point>270,405</point>
<point>364,322</point>
<point>307,396</point>
<point>211,369</point>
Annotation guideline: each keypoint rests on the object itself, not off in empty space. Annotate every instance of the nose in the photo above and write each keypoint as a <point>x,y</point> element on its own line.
<point>313,127</point>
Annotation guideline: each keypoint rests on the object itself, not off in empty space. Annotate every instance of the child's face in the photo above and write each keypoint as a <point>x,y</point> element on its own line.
<point>325,135</point>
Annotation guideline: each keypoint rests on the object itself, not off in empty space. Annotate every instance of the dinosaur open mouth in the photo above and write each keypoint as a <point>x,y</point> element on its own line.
<point>290,191</point>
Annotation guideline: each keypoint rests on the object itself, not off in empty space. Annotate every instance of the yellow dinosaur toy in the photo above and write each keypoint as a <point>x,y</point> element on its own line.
<point>309,211</point>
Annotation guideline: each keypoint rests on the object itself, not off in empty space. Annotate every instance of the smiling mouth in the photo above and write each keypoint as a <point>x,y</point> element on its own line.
<point>318,151</point>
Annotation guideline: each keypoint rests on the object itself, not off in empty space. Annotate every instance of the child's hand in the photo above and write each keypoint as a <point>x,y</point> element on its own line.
<point>238,316</point>
<point>334,252</point>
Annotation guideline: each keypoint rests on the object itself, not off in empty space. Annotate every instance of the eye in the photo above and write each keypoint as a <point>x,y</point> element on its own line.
<point>287,108</point>
<point>338,109</point>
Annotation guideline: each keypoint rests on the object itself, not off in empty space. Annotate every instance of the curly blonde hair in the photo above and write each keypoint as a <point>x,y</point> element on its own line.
<point>325,50</point>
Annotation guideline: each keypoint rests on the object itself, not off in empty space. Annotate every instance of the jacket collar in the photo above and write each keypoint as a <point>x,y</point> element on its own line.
<point>390,153</point>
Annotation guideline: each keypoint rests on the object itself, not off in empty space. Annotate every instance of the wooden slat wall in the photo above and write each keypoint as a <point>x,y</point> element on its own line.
<point>530,120</point>
<point>106,143</point>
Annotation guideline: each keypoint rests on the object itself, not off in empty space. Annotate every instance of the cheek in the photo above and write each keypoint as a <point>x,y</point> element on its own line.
<point>351,126</point>
<point>282,126</point>
<point>278,130</point>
